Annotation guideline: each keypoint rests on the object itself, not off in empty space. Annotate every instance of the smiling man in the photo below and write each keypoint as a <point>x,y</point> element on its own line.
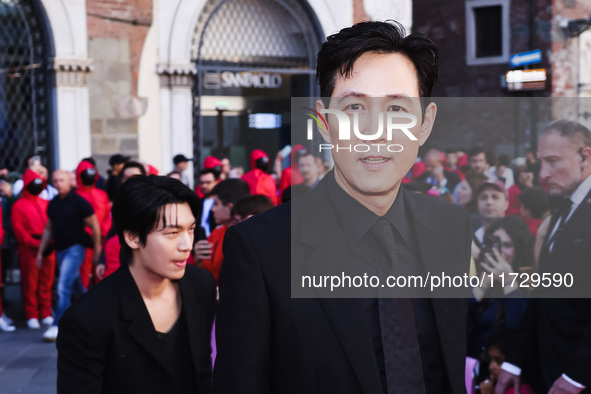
<point>146,328</point>
<point>310,342</point>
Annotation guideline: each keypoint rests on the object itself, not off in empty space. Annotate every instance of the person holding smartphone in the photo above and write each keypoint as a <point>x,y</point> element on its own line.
<point>508,248</point>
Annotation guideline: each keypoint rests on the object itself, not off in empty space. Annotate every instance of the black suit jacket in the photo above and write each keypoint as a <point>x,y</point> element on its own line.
<point>555,334</point>
<point>107,342</point>
<point>269,342</point>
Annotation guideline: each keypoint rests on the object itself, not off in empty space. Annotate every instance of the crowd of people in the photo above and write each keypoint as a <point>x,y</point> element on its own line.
<point>508,205</point>
<point>501,216</point>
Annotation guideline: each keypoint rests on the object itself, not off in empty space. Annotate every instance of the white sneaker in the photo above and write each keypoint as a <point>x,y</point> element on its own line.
<point>7,319</point>
<point>5,326</point>
<point>50,335</point>
<point>33,324</point>
<point>48,321</point>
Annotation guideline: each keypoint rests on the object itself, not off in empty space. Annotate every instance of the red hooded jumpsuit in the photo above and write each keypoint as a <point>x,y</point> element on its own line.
<point>28,217</point>
<point>259,181</point>
<point>102,208</point>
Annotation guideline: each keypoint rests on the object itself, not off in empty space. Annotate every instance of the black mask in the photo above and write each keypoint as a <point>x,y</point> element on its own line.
<point>262,163</point>
<point>88,176</point>
<point>35,187</point>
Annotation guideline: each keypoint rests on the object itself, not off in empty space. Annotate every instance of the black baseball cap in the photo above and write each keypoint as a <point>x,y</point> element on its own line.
<point>180,159</point>
<point>118,159</point>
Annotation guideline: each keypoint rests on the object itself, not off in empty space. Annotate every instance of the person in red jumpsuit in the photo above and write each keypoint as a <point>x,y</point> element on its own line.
<point>86,177</point>
<point>257,178</point>
<point>28,217</point>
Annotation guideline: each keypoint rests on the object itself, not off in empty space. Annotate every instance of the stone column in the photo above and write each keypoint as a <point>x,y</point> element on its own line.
<point>176,109</point>
<point>72,138</point>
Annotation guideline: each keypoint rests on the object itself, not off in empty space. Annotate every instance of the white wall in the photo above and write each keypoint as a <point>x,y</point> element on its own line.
<point>67,21</point>
<point>150,150</point>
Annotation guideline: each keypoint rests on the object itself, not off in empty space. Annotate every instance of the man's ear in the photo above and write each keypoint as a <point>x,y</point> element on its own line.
<point>586,155</point>
<point>324,133</point>
<point>132,240</point>
<point>428,121</point>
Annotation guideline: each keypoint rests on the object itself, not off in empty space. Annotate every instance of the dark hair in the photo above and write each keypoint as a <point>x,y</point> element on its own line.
<point>252,205</point>
<point>216,174</point>
<point>134,164</point>
<point>503,160</point>
<point>305,153</point>
<point>417,186</point>
<point>340,51</point>
<point>523,239</point>
<point>230,191</point>
<point>572,130</point>
<point>501,338</point>
<point>536,200</point>
<point>474,180</point>
<point>90,160</point>
<point>286,195</point>
<point>476,150</point>
<point>138,207</point>
<point>491,158</point>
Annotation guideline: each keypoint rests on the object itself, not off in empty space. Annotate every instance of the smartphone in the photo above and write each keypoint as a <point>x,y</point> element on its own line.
<point>35,161</point>
<point>200,234</point>
<point>285,151</point>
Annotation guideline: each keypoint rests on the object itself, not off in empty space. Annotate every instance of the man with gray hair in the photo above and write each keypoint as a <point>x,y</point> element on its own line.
<point>553,345</point>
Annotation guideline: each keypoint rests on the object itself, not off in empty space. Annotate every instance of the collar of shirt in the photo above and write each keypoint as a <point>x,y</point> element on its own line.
<point>356,220</point>
<point>580,193</point>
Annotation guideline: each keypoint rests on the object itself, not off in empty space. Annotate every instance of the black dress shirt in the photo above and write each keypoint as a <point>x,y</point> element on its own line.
<point>368,257</point>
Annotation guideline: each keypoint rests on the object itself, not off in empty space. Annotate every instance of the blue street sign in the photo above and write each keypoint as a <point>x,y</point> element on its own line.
<point>525,58</point>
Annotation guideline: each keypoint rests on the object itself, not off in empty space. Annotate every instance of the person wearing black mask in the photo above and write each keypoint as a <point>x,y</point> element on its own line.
<point>29,216</point>
<point>86,178</point>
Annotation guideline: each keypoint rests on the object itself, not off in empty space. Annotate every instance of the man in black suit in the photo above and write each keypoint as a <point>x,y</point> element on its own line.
<point>268,340</point>
<point>147,327</point>
<point>553,346</point>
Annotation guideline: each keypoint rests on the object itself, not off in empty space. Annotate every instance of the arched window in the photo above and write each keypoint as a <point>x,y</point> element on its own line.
<point>252,56</point>
<point>25,80</point>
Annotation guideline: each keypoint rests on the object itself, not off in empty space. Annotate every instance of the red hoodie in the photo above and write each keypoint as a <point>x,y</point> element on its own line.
<point>1,229</point>
<point>29,214</point>
<point>259,181</point>
<point>96,197</point>
<point>291,175</point>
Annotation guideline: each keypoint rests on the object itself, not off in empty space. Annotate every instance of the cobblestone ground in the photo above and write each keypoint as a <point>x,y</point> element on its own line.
<point>27,364</point>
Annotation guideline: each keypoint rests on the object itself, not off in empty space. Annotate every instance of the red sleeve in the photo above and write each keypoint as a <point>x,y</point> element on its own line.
<point>285,181</point>
<point>1,226</point>
<point>107,221</point>
<point>112,248</point>
<point>214,264</point>
<point>17,218</point>
<point>267,187</point>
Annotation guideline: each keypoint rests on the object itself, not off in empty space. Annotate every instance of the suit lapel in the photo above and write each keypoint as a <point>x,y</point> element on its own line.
<point>435,255</point>
<point>193,314</point>
<point>140,328</point>
<point>320,231</point>
<point>579,218</point>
